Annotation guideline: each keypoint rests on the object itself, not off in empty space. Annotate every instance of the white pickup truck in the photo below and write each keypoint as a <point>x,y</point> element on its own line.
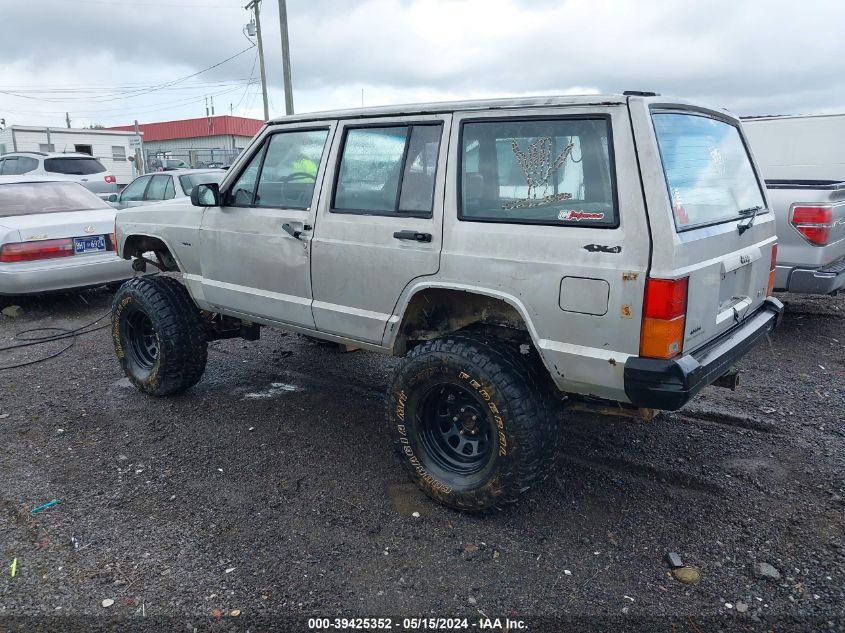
<point>810,217</point>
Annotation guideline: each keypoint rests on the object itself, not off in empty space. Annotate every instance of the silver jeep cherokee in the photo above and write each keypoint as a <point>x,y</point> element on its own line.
<point>512,251</point>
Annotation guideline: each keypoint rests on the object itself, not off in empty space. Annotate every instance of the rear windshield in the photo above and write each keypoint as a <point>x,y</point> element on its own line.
<point>28,198</point>
<point>189,181</point>
<point>708,171</point>
<point>74,166</point>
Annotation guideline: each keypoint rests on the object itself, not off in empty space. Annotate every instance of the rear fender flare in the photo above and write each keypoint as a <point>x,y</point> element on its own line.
<point>392,329</point>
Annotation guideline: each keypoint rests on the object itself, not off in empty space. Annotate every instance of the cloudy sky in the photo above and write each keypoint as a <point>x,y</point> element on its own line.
<point>111,61</point>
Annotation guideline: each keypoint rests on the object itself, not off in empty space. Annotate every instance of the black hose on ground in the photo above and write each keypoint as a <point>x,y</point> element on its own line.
<point>30,339</point>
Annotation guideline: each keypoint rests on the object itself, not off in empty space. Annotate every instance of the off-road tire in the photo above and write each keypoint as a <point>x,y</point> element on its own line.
<point>174,356</point>
<point>507,386</point>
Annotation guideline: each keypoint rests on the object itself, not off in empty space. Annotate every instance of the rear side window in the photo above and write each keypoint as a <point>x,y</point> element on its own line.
<point>9,167</point>
<point>388,170</point>
<point>74,166</point>
<point>553,171</point>
<point>708,171</point>
<point>17,165</point>
<point>26,164</point>
<point>157,188</point>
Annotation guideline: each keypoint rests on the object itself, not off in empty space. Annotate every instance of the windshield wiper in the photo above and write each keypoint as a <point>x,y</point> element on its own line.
<point>742,228</point>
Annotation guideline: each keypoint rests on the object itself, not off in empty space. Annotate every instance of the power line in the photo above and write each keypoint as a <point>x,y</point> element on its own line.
<point>162,105</point>
<point>173,89</point>
<point>117,88</point>
<point>137,92</point>
<point>251,75</point>
<point>167,5</point>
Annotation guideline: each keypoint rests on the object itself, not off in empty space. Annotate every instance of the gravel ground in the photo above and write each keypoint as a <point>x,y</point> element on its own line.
<point>269,492</point>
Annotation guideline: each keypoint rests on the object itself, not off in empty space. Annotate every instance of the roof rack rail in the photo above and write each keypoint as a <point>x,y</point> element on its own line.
<point>640,93</point>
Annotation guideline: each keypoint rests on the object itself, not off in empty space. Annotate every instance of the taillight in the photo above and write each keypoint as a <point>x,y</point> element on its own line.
<point>814,223</point>
<point>664,318</point>
<point>111,179</point>
<point>31,251</point>
<point>772,270</point>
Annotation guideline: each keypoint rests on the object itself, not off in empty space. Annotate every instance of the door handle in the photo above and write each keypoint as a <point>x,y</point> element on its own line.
<point>413,236</point>
<point>295,233</point>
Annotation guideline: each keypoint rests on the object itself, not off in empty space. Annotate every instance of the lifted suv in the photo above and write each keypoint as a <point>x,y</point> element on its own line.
<point>512,251</point>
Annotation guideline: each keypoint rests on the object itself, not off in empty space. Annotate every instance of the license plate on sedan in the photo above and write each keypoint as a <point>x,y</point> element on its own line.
<point>93,244</point>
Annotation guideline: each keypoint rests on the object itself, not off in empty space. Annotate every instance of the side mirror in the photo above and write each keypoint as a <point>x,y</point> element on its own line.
<point>206,195</point>
<point>112,197</point>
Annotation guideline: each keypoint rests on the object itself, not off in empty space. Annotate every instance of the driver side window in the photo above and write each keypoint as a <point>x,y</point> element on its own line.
<point>134,191</point>
<point>283,172</point>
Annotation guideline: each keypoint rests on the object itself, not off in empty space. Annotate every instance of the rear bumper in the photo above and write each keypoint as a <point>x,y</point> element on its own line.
<point>669,384</point>
<point>60,274</point>
<point>823,280</point>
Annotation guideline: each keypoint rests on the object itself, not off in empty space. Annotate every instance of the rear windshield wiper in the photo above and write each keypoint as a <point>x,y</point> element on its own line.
<point>742,228</point>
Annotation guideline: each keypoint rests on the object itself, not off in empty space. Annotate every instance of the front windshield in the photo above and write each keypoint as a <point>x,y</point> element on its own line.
<point>708,170</point>
<point>189,181</point>
<point>28,198</point>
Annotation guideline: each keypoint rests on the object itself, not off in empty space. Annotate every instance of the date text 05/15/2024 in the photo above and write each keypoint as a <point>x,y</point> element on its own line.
<point>415,624</point>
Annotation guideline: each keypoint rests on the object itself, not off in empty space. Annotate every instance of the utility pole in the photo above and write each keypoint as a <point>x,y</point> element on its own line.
<point>283,27</point>
<point>254,5</point>
<point>140,162</point>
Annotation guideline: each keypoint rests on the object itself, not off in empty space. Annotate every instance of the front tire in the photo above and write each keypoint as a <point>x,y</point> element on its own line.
<point>470,422</point>
<point>158,335</point>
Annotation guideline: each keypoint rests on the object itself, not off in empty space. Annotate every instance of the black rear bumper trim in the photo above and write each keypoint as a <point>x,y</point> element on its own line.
<point>670,384</point>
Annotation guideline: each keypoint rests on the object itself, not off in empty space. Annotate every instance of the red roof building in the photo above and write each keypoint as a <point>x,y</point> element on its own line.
<point>203,142</point>
<point>223,125</point>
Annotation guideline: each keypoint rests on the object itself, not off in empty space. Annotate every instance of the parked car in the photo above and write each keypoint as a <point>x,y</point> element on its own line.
<point>159,186</point>
<point>55,235</point>
<point>511,251</point>
<point>85,169</point>
<point>168,164</point>
<point>810,217</point>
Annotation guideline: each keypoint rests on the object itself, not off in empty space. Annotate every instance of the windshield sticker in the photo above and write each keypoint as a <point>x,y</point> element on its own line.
<point>577,216</point>
<point>538,167</point>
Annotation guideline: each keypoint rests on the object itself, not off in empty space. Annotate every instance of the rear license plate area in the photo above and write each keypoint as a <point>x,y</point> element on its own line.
<point>93,244</point>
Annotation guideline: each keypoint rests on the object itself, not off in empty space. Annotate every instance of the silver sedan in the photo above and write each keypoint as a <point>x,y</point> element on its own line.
<point>164,186</point>
<point>55,235</point>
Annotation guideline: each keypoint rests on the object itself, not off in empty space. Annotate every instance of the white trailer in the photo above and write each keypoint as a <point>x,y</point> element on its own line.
<point>110,147</point>
<point>803,147</point>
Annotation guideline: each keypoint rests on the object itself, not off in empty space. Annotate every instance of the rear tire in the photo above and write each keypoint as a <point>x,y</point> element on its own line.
<point>470,421</point>
<point>158,335</point>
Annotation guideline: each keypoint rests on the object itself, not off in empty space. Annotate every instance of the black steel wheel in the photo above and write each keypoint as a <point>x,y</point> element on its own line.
<point>141,339</point>
<point>470,421</point>
<point>158,335</point>
<point>455,428</point>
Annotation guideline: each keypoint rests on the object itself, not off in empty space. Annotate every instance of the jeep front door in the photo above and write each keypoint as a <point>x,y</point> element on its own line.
<point>256,247</point>
<point>380,225</point>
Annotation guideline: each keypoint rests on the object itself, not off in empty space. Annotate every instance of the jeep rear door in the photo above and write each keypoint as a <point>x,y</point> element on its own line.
<point>379,225</point>
<point>708,213</point>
